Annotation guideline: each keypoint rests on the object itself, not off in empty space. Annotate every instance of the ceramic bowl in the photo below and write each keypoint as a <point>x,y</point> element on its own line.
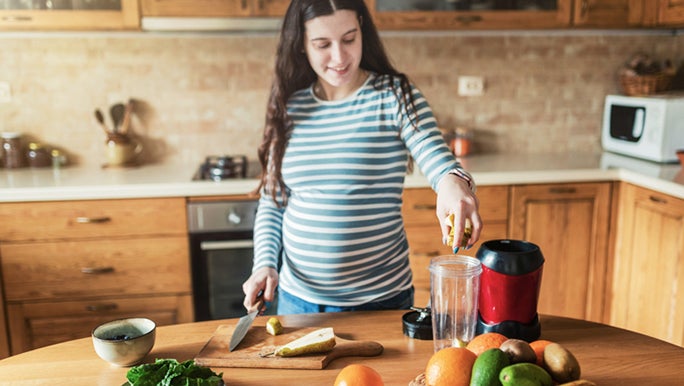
<point>124,342</point>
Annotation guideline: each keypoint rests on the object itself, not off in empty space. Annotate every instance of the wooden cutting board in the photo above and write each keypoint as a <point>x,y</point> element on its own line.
<point>258,342</point>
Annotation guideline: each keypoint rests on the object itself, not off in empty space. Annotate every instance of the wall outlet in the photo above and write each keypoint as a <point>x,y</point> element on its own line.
<point>470,85</point>
<point>5,92</point>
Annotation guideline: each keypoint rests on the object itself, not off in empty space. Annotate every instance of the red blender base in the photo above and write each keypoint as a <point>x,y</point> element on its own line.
<point>511,329</point>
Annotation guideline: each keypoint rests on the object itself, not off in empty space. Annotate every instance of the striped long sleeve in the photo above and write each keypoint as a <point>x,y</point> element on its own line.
<point>341,237</point>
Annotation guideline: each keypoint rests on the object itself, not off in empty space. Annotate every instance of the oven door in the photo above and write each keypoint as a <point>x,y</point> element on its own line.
<point>221,262</point>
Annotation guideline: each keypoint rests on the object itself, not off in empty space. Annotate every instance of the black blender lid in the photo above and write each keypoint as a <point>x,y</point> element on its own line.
<point>417,324</point>
<point>511,257</point>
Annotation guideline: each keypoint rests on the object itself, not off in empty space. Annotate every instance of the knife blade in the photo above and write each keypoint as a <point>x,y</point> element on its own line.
<point>244,324</point>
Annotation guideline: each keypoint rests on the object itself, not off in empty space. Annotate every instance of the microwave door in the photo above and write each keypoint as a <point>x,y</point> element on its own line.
<point>627,122</point>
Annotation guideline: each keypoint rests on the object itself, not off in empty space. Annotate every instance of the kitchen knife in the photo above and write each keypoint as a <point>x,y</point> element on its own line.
<point>244,324</point>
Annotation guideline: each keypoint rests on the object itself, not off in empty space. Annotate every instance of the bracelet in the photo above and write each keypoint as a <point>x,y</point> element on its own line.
<point>465,176</point>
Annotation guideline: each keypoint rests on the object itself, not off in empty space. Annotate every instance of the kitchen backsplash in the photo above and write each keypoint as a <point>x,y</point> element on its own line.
<point>205,94</point>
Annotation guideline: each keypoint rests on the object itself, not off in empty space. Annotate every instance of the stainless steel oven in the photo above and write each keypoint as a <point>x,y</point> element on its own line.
<point>221,249</point>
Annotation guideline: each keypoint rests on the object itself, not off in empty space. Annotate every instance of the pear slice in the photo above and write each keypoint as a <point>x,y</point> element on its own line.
<point>319,341</point>
<point>274,327</point>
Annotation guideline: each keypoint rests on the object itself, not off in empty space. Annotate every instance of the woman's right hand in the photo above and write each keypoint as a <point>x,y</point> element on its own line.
<point>262,282</point>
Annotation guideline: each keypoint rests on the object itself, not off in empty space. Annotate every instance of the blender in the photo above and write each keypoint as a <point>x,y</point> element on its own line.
<point>509,288</point>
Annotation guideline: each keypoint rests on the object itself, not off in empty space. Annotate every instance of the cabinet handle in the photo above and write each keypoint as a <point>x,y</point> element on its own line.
<point>657,200</point>
<point>425,207</point>
<point>96,270</point>
<point>562,190</point>
<point>243,4</point>
<point>12,18</point>
<point>101,307</point>
<point>260,5</point>
<point>467,19</point>
<point>93,220</point>
<point>584,8</point>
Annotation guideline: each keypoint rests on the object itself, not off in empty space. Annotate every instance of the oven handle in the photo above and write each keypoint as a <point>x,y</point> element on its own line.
<point>235,244</point>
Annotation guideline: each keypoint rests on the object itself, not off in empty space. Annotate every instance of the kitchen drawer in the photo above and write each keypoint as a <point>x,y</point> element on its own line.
<point>420,204</point>
<point>28,221</point>
<point>38,324</point>
<point>49,270</point>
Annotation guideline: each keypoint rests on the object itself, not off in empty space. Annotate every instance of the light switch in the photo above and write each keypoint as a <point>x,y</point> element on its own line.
<point>470,85</point>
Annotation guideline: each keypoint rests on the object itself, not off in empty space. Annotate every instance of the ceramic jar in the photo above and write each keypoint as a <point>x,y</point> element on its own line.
<point>38,156</point>
<point>13,155</point>
<point>121,150</point>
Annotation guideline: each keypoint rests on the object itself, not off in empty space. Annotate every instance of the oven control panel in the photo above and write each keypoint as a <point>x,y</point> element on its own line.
<point>221,216</point>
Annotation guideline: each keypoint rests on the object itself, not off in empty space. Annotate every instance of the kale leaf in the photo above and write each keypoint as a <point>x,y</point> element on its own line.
<point>170,372</point>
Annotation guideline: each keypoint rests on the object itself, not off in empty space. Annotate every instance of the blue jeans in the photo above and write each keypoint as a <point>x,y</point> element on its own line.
<point>290,304</point>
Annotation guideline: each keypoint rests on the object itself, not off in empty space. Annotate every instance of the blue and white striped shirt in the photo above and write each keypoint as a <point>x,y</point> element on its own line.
<point>341,236</point>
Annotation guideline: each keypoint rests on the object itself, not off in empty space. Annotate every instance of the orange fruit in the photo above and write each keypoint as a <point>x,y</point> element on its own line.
<point>485,341</point>
<point>538,347</point>
<point>358,375</point>
<point>450,366</point>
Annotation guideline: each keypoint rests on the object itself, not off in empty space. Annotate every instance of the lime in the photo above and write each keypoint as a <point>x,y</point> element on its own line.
<point>487,367</point>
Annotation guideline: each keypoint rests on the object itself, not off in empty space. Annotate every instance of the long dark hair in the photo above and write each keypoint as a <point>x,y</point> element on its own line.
<point>293,72</point>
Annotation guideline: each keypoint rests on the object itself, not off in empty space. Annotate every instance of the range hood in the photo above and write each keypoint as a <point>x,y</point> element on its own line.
<point>210,23</point>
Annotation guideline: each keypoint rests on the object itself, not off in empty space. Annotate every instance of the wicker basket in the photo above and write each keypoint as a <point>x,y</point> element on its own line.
<point>636,85</point>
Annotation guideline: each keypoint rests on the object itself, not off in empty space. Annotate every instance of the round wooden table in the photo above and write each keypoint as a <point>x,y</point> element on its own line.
<point>607,355</point>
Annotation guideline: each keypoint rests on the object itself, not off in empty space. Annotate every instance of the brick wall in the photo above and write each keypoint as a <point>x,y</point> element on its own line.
<point>201,94</point>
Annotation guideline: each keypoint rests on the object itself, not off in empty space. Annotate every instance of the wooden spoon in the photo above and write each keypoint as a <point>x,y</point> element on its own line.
<point>117,113</point>
<point>100,119</point>
<point>127,117</point>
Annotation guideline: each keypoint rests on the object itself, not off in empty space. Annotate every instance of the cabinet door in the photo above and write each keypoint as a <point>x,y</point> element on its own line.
<point>198,8</point>
<point>608,13</point>
<point>470,14</point>
<point>34,325</point>
<point>648,285</point>
<point>671,13</point>
<point>214,8</point>
<point>69,15</point>
<point>569,222</point>
<point>4,341</point>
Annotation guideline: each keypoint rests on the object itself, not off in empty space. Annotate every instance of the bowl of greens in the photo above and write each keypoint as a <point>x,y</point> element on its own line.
<point>124,342</point>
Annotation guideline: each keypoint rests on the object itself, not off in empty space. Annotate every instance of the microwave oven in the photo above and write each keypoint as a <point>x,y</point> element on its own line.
<point>649,127</point>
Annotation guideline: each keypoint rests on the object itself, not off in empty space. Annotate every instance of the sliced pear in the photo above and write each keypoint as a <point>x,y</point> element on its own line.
<point>273,326</point>
<point>319,341</point>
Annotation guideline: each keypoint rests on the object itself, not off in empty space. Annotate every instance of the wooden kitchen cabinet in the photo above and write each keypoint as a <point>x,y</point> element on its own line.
<point>425,237</point>
<point>38,324</point>
<point>446,15</point>
<point>609,13</point>
<point>570,224</point>
<point>648,287</point>
<point>671,13</point>
<point>69,265</point>
<point>70,15</point>
<point>4,337</point>
<point>214,8</point>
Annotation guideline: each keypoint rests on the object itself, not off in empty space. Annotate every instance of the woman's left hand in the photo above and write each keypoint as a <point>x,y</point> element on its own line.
<point>454,196</point>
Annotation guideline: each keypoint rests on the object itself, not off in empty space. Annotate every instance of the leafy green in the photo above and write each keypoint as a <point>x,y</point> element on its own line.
<point>170,372</point>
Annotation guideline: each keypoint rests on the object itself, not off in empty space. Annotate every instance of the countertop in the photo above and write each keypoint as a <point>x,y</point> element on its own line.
<point>607,355</point>
<point>173,180</point>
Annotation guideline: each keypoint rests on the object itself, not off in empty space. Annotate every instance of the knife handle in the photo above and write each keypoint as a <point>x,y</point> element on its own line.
<point>258,306</point>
